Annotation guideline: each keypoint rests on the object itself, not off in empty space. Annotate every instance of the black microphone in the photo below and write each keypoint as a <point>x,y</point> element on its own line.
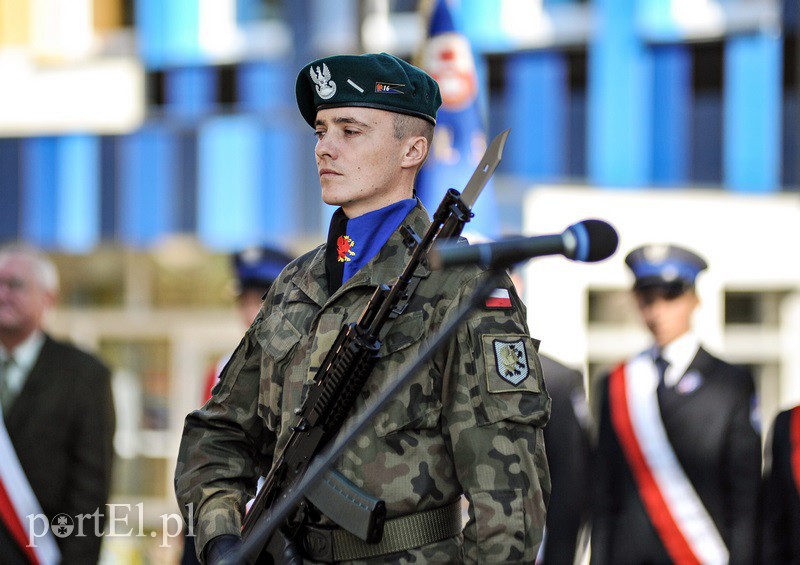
<point>587,241</point>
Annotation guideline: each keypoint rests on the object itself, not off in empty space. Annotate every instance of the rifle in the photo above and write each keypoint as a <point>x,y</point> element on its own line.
<point>347,366</point>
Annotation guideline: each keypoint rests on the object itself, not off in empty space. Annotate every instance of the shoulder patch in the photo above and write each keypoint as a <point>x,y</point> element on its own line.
<point>508,364</point>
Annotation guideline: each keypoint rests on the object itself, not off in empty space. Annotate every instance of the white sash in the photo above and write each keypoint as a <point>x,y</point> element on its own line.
<point>14,485</point>
<point>682,502</point>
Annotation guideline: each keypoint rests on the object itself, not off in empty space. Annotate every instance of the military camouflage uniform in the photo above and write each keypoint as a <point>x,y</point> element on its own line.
<point>457,427</point>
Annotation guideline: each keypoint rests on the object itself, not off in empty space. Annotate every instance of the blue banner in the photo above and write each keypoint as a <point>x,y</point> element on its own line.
<point>460,138</point>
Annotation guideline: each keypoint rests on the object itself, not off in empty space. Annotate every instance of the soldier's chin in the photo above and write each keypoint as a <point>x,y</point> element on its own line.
<point>331,198</point>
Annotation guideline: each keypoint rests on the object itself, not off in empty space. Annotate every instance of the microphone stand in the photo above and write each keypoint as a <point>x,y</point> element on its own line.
<point>291,497</point>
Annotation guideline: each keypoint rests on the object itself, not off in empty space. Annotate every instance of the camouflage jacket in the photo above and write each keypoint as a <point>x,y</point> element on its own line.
<point>461,425</point>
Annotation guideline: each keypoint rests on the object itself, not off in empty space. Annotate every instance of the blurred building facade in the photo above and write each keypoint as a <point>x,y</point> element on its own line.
<point>143,140</point>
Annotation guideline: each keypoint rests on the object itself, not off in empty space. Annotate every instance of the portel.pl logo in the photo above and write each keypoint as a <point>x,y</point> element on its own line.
<point>118,524</point>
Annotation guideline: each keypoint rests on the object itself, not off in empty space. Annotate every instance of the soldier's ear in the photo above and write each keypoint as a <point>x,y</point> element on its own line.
<point>416,149</point>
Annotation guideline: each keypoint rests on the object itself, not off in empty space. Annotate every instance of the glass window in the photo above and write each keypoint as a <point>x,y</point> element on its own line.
<point>91,280</point>
<point>143,365</point>
<point>612,307</point>
<point>754,308</point>
<point>706,143</point>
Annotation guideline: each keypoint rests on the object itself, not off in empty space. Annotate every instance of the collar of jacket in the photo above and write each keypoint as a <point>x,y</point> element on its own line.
<point>383,268</point>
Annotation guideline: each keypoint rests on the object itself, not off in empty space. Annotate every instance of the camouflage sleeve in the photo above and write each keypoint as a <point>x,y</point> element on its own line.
<point>217,465</point>
<point>496,406</point>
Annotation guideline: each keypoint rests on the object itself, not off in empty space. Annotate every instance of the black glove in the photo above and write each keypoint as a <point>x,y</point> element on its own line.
<point>220,548</point>
<point>286,548</point>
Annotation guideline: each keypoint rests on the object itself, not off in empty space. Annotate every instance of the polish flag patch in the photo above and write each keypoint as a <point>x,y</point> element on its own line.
<point>500,299</point>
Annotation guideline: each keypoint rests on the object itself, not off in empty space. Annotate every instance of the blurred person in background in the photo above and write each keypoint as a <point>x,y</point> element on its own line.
<point>255,269</point>
<point>468,423</point>
<point>567,441</point>
<point>57,425</point>
<point>780,526</point>
<point>678,460</point>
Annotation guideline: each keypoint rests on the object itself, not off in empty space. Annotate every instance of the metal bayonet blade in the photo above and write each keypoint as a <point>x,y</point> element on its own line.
<point>491,158</point>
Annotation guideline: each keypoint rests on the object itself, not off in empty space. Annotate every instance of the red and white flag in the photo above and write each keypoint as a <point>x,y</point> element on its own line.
<point>499,299</point>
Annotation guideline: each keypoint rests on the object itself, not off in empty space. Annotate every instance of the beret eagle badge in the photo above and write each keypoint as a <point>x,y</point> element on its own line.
<point>326,88</point>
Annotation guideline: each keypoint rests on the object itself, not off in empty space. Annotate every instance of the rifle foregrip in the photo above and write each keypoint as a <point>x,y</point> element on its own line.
<point>353,377</point>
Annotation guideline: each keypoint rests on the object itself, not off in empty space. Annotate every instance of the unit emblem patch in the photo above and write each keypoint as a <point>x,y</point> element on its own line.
<point>511,361</point>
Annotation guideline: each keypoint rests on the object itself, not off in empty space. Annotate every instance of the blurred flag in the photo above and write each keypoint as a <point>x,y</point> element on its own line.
<point>460,138</point>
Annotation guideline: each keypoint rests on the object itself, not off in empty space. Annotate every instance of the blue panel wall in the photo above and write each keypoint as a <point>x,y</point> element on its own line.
<point>242,178</point>
<point>707,128</point>
<point>186,185</point>
<point>791,142</point>
<point>265,86</point>
<point>78,193</point>
<point>151,32</point>
<point>576,134</point>
<point>246,193</point>
<point>250,10</point>
<point>229,195</point>
<point>40,182</point>
<point>656,20</point>
<point>278,150</point>
<point>620,100</point>
<point>481,23</point>
<point>672,114</point>
<point>108,187</point>
<point>190,92</point>
<point>536,98</point>
<point>61,206</point>
<point>790,11</point>
<point>10,182</point>
<point>167,32</point>
<point>752,112</point>
<point>147,177</point>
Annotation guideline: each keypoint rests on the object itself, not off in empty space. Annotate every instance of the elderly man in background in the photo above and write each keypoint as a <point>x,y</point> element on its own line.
<point>57,425</point>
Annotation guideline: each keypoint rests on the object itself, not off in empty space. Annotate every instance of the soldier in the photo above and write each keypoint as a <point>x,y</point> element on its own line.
<point>464,425</point>
<point>678,460</point>
<point>781,502</point>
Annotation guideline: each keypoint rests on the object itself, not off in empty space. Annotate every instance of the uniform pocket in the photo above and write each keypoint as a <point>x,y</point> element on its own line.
<point>278,338</point>
<point>417,405</point>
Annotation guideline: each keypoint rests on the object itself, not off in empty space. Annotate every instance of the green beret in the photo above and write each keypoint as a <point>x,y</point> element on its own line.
<point>372,81</point>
